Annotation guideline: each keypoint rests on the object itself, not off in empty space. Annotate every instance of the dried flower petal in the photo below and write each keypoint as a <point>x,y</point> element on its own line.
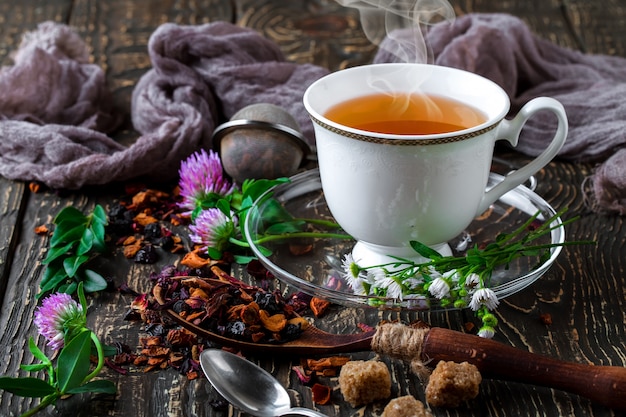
<point>319,306</point>
<point>321,394</point>
<point>302,376</point>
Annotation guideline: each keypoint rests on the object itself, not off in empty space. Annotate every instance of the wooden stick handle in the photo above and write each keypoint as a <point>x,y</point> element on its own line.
<point>602,384</point>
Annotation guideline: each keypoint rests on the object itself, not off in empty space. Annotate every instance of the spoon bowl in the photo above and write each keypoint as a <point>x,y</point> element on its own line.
<point>247,386</point>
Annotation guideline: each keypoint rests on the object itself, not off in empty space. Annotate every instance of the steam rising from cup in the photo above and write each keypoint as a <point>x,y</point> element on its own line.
<point>380,18</point>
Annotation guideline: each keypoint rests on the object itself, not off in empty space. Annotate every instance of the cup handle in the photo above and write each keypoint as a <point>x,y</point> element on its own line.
<point>510,130</point>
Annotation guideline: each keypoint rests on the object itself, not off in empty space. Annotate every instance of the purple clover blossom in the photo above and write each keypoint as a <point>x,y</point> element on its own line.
<point>59,314</point>
<point>201,175</point>
<point>212,229</point>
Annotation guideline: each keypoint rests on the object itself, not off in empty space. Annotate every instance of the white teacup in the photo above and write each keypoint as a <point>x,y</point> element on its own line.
<point>386,189</point>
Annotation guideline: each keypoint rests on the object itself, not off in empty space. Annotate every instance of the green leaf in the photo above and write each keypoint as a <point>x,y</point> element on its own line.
<point>70,215</point>
<point>52,281</point>
<point>214,253</point>
<point>81,296</point>
<point>255,188</point>
<point>37,353</point>
<point>94,281</point>
<point>52,276</point>
<point>209,201</point>
<point>243,259</point>
<point>34,367</point>
<point>99,215</point>
<point>107,351</point>
<point>425,251</point>
<point>195,213</point>
<point>275,212</point>
<point>286,227</point>
<point>26,387</point>
<point>224,206</point>
<point>86,242</point>
<point>264,251</point>
<point>64,234</point>
<point>99,233</point>
<point>68,288</point>
<point>100,386</point>
<point>72,263</point>
<point>57,252</point>
<point>73,363</point>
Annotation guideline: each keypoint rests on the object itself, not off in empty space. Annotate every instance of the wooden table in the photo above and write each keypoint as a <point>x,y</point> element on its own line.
<point>584,292</point>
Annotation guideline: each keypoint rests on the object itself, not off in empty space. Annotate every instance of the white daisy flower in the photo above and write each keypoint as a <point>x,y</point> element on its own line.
<point>394,290</point>
<point>354,275</point>
<point>472,280</point>
<point>413,282</point>
<point>486,297</point>
<point>439,288</point>
<point>486,332</point>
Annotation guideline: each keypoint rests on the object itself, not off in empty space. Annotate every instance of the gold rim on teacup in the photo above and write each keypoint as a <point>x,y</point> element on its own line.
<point>413,141</point>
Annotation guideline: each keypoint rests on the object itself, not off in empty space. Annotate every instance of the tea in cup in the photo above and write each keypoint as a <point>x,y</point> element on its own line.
<point>405,150</point>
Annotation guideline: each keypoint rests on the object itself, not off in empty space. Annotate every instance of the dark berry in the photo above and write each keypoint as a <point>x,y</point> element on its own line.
<point>152,232</point>
<point>146,255</point>
<point>235,329</point>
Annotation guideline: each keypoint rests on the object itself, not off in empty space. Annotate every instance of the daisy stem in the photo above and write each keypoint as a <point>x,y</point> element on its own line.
<point>320,222</point>
<point>270,238</point>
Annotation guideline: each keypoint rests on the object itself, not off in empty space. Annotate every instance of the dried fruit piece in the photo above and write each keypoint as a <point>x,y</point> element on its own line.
<point>321,393</point>
<point>274,323</point>
<point>144,220</point>
<point>319,306</point>
<point>194,260</point>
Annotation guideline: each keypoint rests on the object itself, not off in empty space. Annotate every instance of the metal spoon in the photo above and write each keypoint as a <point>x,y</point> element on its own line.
<point>247,386</point>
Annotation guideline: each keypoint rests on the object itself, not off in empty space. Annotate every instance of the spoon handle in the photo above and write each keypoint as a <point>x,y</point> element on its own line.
<point>602,384</point>
<point>304,412</point>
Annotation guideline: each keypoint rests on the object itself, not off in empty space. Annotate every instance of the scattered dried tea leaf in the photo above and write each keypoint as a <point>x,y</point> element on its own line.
<point>546,318</point>
<point>194,260</point>
<point>130,250</point>
<point>298,250</point>
<point>148,198</point>
<point>41,230</point>
<point>34,187</point>
<point>328,366</point>
<point>144,219</point>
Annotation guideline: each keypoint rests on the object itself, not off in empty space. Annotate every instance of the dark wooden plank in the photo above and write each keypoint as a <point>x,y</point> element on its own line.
<point>19,16</point>
<point>582,291</point>
<point>118,33</point>
<point>545,18</point>
<point>320,32</point>
<point>598,25</point>
<point>13,203</point>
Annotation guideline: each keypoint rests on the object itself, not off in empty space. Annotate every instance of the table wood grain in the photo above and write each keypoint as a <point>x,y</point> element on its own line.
<point>584,292</point>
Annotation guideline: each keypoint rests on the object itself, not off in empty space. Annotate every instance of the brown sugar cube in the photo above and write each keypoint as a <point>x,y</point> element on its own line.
<point>363,382</point>
<point>452,383</point>
<point>406,406</point>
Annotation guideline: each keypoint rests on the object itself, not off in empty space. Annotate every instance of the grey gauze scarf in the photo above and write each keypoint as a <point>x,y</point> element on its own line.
<point>56,113</point>
<point>55,110</point>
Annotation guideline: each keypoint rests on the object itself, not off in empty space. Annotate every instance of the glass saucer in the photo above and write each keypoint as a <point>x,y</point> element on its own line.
<point>314,265</point>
